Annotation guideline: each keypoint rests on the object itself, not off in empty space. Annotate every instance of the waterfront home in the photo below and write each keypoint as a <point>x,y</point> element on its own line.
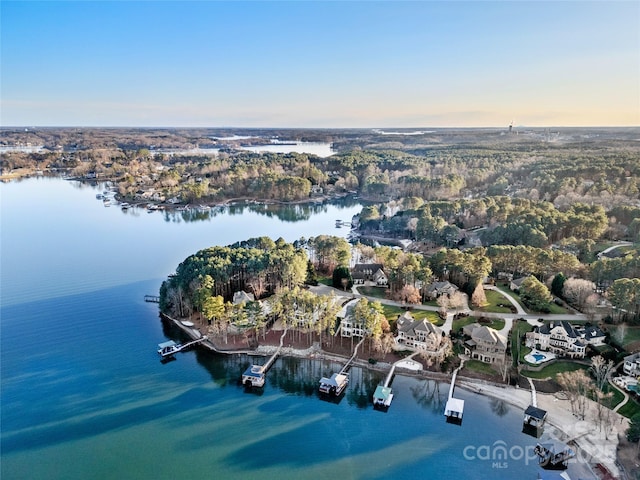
<point>485,344</point>
<point>632,365</point>
<point>349,326</point>
<point>437,289</point>
<point>417,334</point>
<point>565,339</point>
<point>369,272</point>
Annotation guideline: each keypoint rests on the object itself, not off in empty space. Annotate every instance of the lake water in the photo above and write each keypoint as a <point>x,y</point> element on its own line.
<point>85,396</point>
<point>321,149</point>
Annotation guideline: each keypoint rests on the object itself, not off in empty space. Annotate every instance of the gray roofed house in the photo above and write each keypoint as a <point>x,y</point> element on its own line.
<point>371,272</point>
<point>437,289</point>
<point>418,334</point>
<point>563,339</point>
<point>516,283</point>
<point>486,344</point>
<point>243,297</point>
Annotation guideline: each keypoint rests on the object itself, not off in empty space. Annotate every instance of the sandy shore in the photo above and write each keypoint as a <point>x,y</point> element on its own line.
<point>594,445</point>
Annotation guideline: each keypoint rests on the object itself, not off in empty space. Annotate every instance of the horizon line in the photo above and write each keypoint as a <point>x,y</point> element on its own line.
<point>27,126</point>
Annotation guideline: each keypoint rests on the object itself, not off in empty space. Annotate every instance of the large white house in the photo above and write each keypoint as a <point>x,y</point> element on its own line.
<point>349,327</point>
<point>564,339</point>
<point>632,365</point>
<point>418,334</point>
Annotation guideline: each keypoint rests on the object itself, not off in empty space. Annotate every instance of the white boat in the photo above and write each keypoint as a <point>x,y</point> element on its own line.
<point>124,205</point>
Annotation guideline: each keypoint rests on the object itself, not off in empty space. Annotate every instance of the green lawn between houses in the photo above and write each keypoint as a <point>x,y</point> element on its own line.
<point>495,299</point>
<point>496,323</point>
<point>392,312</point>
<point>550,371</point>
<point>553,308</point>
<point>480,367</point>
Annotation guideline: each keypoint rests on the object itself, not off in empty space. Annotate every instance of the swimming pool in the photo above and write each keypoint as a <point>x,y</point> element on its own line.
<point>535,357</point>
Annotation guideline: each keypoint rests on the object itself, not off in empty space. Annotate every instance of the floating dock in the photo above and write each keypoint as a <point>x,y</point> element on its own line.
<point>337,383</point>
<point>334,385</point>
<point>553,455</point>
<point>455,406</point>
<point>534,417</point>
<point>170,348</point>
<point>382,397</point>
<point>254,376</point>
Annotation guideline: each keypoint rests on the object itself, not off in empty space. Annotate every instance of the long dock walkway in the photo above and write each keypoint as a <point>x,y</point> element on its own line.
<point>534,396</point>
<point>347,365</point>
<point>267,365</point>
<point>193,342</point>
<point>455,407</point>
<point>387,380</point>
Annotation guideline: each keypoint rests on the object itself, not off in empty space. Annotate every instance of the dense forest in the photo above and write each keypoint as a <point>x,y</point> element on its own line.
<point>475,202</point>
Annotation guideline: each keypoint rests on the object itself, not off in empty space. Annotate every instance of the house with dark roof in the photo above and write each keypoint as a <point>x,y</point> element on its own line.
<point>369,272</point>
<point>515,284</point>
<point>560,338</point>
<point>418,334</point>
<point>437,289</point>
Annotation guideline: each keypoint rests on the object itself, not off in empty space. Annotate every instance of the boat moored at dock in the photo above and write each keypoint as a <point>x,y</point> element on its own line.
<point>166,349</point>
<point>253,376</point>
<point>334,385</point>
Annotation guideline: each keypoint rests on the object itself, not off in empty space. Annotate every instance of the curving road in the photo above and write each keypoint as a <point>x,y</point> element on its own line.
<point>532,319</point>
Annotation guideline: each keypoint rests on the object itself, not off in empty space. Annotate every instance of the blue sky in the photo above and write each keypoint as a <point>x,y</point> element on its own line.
<point>319,64</point>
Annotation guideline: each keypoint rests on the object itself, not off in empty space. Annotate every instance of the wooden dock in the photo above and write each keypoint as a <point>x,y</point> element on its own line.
<point>170,348</point>
<point>337,383</point>
<point>254,376</point>
<point>383,395</point>
<point>455,406</point>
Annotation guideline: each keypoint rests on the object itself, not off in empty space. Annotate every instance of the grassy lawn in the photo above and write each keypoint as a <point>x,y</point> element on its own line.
<point>630,408</point>
<point>631,336</point>
<point>552,370</point>
<point>376,292</point>
<point>496,323</point>
<point>553,308</point>
<point>517,331</point>
<point>392,312</point>
<point>479,367</point>
<point>495,299</point>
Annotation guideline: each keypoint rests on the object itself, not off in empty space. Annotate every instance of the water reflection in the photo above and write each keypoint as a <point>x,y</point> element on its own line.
<point>429,395</point>
<point>283,212</point>
<point>499,407</point>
